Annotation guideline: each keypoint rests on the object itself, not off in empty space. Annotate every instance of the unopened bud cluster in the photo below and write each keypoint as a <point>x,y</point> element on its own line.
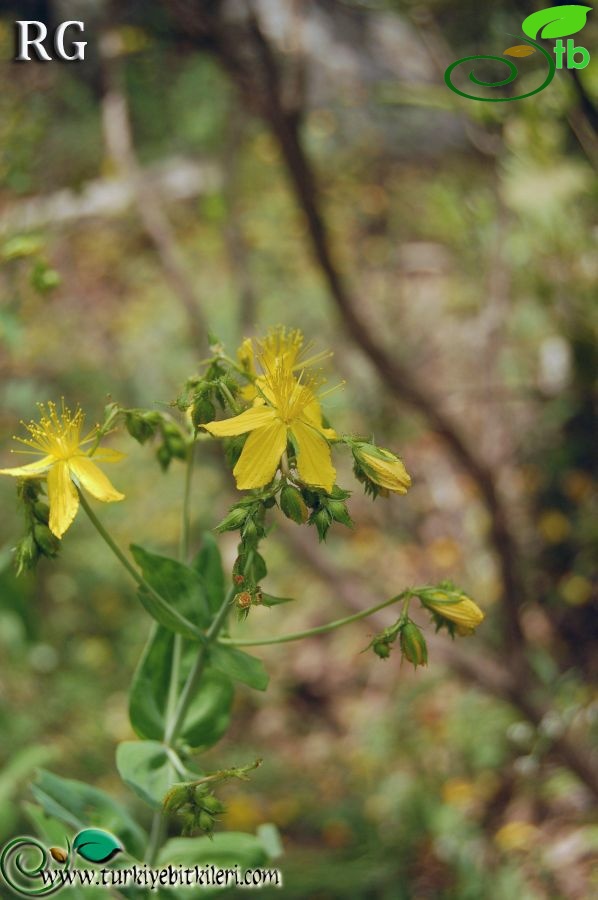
<point>38,541</point>
<point>411,642</point>
<point>196,804</point>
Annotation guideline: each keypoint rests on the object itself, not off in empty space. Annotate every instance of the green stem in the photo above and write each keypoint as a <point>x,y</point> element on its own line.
<point>129,566</point>
<point>159,820</point>
<point>113,546</point>
<point>196,672</point>
<point>186,521</point>
<point>176,722</point>
<point>321,629</point>
<point>233,403</point>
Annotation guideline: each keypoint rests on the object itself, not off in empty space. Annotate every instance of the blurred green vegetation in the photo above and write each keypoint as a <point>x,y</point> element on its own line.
<point>478,268</point>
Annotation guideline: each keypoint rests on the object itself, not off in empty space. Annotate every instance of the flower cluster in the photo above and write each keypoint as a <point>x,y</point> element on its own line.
<point>450,609</point>
<point>278,440</point>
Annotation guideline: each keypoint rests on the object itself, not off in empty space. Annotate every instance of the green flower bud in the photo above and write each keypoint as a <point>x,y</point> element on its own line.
<point>413,644</point>
<point>339,512</point>
<point>174,440</point>
<point>203,411</point>
<point>139,426</point>
<point>381,647</point>
<point>235,518</point>
<point>212,804</point>
<point>26,554</point>
<point>163,456</point>
<point>47,543</point>
<point>322,519</point>
<point>205,821</point>
<point>251,532</point>
<point>199,794</point>
<point>293,504</point>
<point>41,511</point>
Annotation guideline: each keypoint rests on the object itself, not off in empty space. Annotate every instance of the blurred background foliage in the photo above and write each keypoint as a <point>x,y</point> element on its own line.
<point>467,234</point>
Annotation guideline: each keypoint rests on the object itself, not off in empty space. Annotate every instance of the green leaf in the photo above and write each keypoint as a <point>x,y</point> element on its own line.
<point>149,690</point>
<point>145,767</point>
<point>239,666</point>
<point>269,600</point>
<point>209,714</point>
<point>79,806</point>
<point>96,845</point>
<point>185,606</point>
<point>224,850</point>
<point>556,21</point>
<point>208,563</point>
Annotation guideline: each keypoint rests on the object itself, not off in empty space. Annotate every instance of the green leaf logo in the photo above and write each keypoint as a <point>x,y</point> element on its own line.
<point>556,22</point>
<point>96,846</point>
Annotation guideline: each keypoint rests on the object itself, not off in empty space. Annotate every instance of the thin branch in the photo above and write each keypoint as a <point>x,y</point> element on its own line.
<point>492,675</point>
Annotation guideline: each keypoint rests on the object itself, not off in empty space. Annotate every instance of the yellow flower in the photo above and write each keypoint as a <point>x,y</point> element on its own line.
<point>381,468</point>
<point>286,409</point>
<point>455,607</point>
<point>65,464</point>
<point>279,347</point>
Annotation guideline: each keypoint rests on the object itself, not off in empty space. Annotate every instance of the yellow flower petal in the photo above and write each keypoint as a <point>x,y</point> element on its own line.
<point>107,454</point>
<point>314,461</point>
<point>256,417</point>
<point>466,614</point>
<point>31,469</point>
<point>313,414</point>
<point>63,497</point>
<point>93,479</point>
<point>390,474</point>
<point>261,455</point>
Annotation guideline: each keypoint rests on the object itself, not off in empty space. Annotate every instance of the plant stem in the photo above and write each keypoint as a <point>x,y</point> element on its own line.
<point>178,718</point>
<point>130,567</point>
<point>197,670</point>
<point>159,820</point>
<point>186,520</point>
<point>321,629</point>
<point>113,546</point>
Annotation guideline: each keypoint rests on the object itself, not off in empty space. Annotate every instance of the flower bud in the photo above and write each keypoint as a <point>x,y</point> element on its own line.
<point>250,532</point>
<point>212,804</point>
<point>452,607</point>
<point>238,579</point>
<point>234,519</point>
<point>47,543</point>
<point>174,440</point>
<point>322,519</point>
<point>381,647</point>
<point>413,644</point>
<point>163,456</point>
<point>41,511</point>
<point>339,512</point>
<point>26,554</point>
<point>139,426</point>
<point>205,821</point>
<point>293,504</point>
<point>203,411</point>
<point>379,470</point>
<point>243,600</point>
